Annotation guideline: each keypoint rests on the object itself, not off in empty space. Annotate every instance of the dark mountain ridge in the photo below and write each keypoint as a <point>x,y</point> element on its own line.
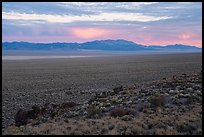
<point>107,45</point>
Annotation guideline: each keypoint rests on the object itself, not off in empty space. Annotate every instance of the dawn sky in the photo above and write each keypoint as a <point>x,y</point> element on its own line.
<point>147,23</point>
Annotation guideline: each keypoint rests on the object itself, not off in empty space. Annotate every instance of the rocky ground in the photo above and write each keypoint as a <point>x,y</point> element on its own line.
<point>168,106</point>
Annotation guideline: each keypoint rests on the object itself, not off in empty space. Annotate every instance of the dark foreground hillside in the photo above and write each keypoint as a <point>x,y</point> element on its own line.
<point>171,105</point>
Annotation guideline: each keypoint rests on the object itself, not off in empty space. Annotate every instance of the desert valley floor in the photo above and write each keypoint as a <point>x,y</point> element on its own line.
<point>36,82</point>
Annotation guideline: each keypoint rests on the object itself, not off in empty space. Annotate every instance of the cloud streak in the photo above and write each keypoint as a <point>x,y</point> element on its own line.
<point>75,18</point>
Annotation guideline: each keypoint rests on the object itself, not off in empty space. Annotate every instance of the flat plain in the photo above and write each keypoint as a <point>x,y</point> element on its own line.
<point>35,82</point>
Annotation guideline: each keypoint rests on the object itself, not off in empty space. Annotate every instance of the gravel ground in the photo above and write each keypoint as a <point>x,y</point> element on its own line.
<point>170,106</point>
<point>36,82</point>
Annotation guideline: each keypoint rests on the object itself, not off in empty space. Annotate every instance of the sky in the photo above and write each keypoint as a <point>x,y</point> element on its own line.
<point>146,23</point>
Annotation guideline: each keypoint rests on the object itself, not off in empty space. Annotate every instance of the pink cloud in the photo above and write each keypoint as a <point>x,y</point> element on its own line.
<point>87,33</point>
<point>186,36</point>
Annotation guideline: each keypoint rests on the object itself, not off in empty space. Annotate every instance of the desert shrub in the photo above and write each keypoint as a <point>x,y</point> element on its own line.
<point>118,89</point>
<point>53,114</point>
<point>137,130</point>
<point>93,111</point>
<point>141,107</point>
<point>66,120</point>
<point>35,112</point>
<point>68,105</point>
<point>170,131</point>
<point>119,112</point>
<point>103,100</point>
<point>157,100</point>
<point>199,131</point>
<point>160,131</point>
<point>21,117</point>
<point>189,100</point>
<point>186,128</point>
<point>174,77</point>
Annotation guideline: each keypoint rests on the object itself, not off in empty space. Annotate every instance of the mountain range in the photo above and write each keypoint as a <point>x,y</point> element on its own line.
<point>105,45</point>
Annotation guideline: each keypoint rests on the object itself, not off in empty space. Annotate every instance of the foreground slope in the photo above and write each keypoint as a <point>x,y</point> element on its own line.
<point>169,106</point>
